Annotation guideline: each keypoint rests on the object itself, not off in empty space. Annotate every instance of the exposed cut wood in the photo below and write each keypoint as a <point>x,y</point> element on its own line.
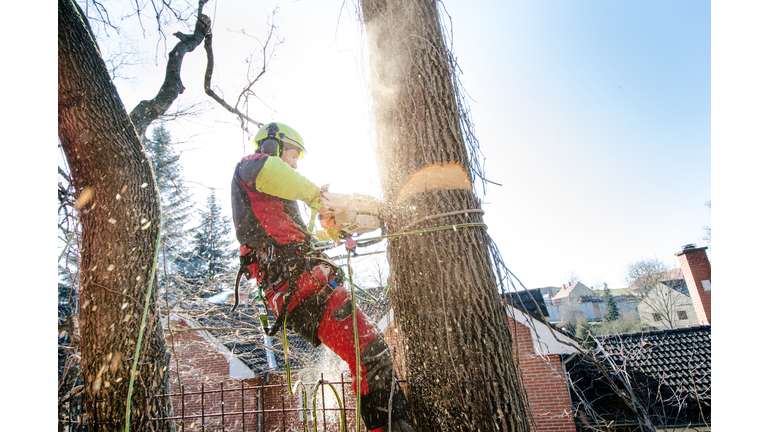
<point>436,176</point>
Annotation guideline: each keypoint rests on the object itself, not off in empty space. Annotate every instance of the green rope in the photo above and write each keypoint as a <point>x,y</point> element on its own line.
<point>69,240</point>
<point>287,362</point>
<point>338,400</point>
<point>357,339</point>
<point>303,402</point>
<point>426,230</point>
<point>141,329</point>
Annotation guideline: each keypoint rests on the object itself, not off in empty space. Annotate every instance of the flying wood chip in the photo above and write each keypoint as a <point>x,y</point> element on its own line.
<point>84,198</point>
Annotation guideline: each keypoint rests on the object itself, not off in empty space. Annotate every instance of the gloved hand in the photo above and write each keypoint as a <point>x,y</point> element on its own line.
<point>329,221</point>
<point>328,235</point>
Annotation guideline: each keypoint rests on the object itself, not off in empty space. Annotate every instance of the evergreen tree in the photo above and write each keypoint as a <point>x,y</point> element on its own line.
<point>611,309</point>
<point>175,199</point>
<point>208,266</point>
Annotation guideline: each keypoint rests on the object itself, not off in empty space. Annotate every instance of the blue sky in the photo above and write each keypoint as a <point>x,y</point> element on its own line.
<point>593,116</point>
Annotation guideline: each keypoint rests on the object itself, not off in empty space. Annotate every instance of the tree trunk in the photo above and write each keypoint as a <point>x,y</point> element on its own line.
<point>459,351</point>
<point>121,219</point>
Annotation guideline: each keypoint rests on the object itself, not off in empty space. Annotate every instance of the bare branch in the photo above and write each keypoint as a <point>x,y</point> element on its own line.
<point>207,85</point>
<point>148,111</point>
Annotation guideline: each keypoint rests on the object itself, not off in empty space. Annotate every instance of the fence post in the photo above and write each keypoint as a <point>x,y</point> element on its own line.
<point>221,387</point>
<point>183,414</point>
<point>242,401</point>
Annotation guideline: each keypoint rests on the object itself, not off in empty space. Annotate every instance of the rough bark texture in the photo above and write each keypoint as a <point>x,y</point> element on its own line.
<point>459,350</point>
<point>120,227</point>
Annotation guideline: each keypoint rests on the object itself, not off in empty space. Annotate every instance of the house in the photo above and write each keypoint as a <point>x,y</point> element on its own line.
<point>668,372</point>
<point>567,303</point>
<point>668,302</point>
<point>225,372</point>
<point>576,300</point>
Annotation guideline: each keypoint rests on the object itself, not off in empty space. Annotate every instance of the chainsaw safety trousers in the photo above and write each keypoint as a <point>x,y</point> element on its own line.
<point>321,313</point>
<point>376,375</point>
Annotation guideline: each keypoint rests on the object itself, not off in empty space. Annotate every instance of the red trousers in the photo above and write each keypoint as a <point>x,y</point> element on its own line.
<point>321,314</point>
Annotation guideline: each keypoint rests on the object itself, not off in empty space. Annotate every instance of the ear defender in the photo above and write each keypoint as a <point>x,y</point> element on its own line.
<point>270,147</point>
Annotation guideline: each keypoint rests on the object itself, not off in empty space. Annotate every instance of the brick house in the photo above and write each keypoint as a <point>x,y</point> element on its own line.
<point>541,348</point>
<point>222,362</point>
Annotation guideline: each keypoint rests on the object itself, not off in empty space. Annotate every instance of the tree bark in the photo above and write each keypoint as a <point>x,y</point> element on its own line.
<point>459,351</point>
<point>121,221</point>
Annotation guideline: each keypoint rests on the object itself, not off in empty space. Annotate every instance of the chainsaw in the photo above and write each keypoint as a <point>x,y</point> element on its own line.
<point>353,214</point>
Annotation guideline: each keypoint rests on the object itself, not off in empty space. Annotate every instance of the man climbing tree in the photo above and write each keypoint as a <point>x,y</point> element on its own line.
<point>459,353</point>
<point>301,285</point>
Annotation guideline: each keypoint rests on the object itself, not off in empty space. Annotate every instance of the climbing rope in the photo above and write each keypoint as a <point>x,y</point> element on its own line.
<point>319,246</point>
<point>338,400</point>
<point>143,325</point>
<point>287,361</point>
<point>357,338</point>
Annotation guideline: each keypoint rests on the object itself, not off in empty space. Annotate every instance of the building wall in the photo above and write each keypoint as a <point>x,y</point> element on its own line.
<point>545,384</point>
<point>663,299</point>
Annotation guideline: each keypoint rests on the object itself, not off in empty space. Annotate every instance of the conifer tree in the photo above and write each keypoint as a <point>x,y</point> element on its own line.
<point>176,204</point>
<point>611,309</point>
<point>176,201</point>
<point>208,266</point>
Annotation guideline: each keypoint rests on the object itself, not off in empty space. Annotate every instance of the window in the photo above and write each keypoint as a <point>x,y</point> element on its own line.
<point>657,317</point>
<point>682,315</point>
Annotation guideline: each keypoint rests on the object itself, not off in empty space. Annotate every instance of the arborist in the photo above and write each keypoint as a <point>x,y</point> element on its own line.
<point>302,286</point>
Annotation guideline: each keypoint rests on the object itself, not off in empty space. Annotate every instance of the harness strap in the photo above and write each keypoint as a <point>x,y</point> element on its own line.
<point>288,258</point>
<point>293,277</point>
<point>246,259</point>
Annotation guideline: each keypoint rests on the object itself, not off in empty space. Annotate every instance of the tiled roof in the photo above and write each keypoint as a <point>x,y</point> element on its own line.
<point>567,291</point>
<point>670,372</point>
<point>241,331</point>
<point>241,334</point>
<point>531,301</point>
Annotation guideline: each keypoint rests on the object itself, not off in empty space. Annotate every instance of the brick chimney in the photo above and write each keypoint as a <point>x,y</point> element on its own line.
<point>698,275</point>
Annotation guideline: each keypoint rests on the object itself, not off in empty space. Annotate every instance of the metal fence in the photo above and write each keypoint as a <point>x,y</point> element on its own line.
<point>320,406</point>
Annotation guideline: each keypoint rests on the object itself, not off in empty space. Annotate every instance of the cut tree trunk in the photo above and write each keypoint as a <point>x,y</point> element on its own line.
<point>459,352</point>
<point>119,210</point>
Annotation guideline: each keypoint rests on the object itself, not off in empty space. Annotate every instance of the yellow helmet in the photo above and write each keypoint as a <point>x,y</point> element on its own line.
<point>272,137</point>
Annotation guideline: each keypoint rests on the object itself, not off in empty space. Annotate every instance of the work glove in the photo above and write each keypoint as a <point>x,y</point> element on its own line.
<point>328,235</point>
